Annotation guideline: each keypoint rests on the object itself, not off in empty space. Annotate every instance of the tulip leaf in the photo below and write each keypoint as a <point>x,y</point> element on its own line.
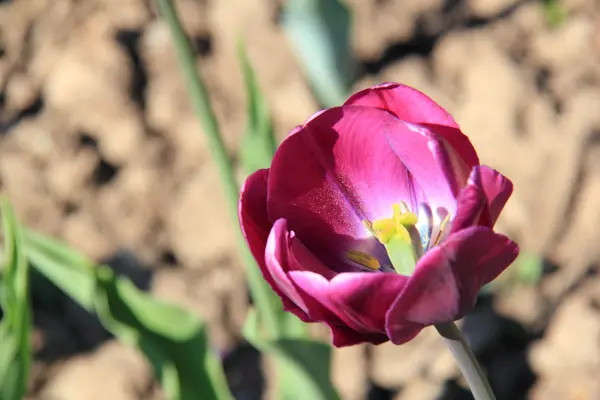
<point>173,340</point>
<point>258,145</point>
<point>266,301</point>
<point>68,270</point>
<point>319,31</point>
<point>529,267</point>
<point>555,13</point>
<point>304,364</point>
<point>15,326</point>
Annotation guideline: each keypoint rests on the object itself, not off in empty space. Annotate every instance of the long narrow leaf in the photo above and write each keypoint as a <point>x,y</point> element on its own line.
<point>319,31</point>
<point>15,327</point>
<point>269,306</point>
<point>258,145</point>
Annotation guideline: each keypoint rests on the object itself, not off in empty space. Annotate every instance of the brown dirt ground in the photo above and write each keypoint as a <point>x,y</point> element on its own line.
<point>99,147</point>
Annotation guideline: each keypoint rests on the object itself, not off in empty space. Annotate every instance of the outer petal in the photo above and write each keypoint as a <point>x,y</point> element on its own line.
<point>411,105</point>
<point>256,226</point>
<point>447,279</point>
<point>482,200</point>
<point>359,299</point>
<point>497,188</point>
<point>335,172</point>
<point>405,102</point>
<point>471,204</point>
<point>287,257</point>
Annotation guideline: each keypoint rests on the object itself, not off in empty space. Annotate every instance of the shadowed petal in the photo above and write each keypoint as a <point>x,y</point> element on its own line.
<point>286,257</point>
<point>471,203</point>
<point>335,172</point>
<point>256,227</point>
<point>342,336</point>
<point>448,278</point>
<point>359,299</point>
<point>413,106</point>
<point>285,253</point>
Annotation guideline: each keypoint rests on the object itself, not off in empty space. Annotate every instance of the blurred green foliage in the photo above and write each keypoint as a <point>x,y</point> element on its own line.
<point>258,144</point>
<point>304,364</point>
<point>555,13</point>
<point>15,327</point>
<point>173,340</point>
<point>319,31</point>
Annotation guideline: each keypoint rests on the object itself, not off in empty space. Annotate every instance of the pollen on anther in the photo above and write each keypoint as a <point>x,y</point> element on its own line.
<point>363,259</point>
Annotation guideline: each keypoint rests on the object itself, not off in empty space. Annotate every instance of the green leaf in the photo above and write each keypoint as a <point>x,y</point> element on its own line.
<point>304,364</point>
<point>529,267</point>
<point>69,270</point>
<point>258,145</point>
<point>319,31</point>
<point>173,339</point>
<point>555,13</point>
<point>15,327</point>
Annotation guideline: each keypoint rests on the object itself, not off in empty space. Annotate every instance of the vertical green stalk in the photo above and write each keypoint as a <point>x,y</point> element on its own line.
<point>466,361</point>
<point>266,304</point>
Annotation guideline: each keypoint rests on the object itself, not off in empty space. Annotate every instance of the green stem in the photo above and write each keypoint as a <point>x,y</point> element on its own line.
<point>466,361</point>
<point>200,101</point>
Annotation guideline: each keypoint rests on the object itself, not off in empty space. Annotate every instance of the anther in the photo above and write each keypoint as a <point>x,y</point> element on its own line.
<point>363,259</point>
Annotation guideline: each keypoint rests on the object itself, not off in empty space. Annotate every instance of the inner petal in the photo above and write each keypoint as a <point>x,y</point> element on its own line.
<point>335,172</point>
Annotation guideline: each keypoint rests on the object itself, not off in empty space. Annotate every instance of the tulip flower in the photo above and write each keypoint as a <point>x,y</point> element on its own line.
<point>376,218</point>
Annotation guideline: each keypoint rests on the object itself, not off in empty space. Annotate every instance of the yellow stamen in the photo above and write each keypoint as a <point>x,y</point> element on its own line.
<point>367,224</point>
<point>363,259</point>
<point>386,228</point>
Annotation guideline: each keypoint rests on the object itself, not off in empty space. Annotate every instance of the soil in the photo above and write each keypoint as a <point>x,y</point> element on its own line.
<point>99,147</point>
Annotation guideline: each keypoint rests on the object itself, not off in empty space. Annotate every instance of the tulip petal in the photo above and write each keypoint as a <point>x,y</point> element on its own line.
<point>335,172</point>
<point>286,257</point>
<point>359,299</point>
<point>448,278</point>
<point>423,156</point>
<point>406,103</point>
<point>482,200</point>
<point>471,204</point>
<point>453,166</point>
<point>413,106</point>
<point>497,188</point>
<point>285,253</point>
<point>256,227</point>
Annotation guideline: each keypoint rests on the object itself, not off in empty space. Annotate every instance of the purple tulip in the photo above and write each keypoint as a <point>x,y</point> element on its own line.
<point>376,218</point>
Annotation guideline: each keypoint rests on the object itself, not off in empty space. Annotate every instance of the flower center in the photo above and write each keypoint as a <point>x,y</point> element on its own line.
<point>401,239</point>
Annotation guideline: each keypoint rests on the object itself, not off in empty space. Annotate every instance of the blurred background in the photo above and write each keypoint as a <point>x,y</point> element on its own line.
<point>99,147</point>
